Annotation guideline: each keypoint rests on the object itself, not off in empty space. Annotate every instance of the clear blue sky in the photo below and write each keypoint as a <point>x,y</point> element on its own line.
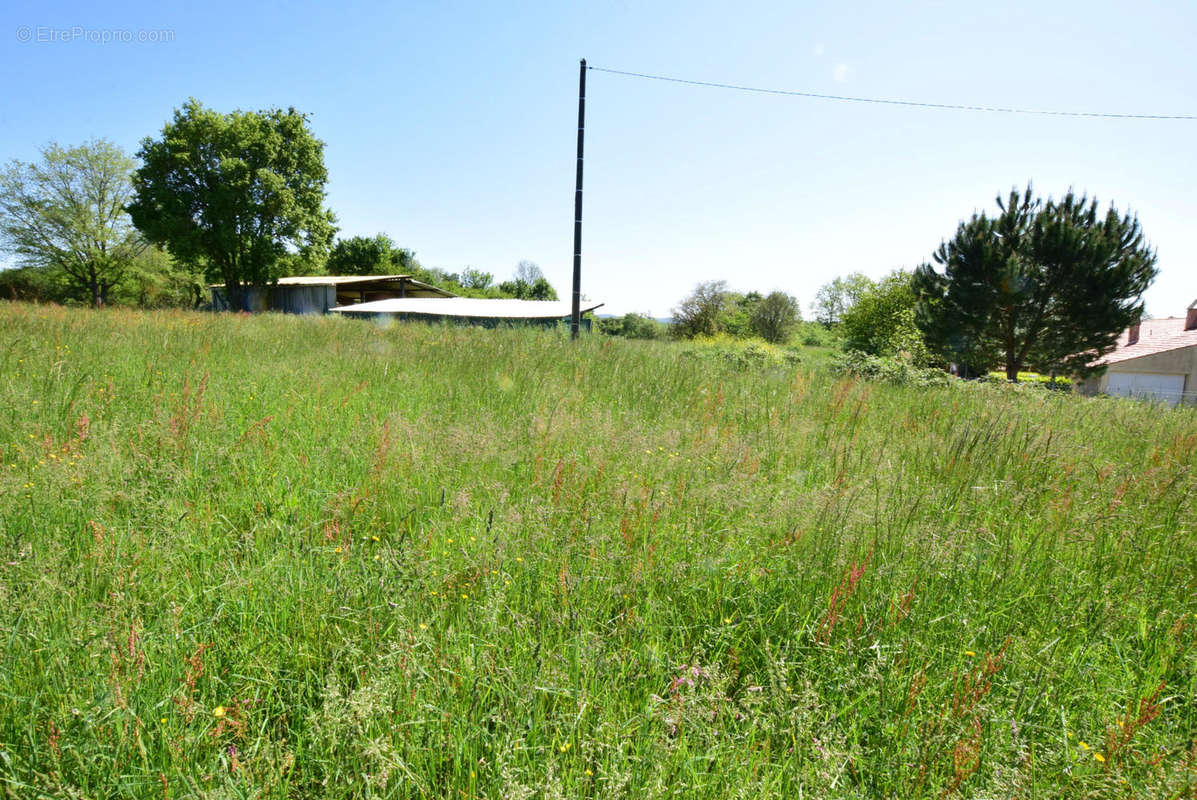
<point>450,126</point>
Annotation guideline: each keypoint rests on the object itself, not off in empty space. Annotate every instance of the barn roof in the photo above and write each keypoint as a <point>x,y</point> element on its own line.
<point>485,308</point>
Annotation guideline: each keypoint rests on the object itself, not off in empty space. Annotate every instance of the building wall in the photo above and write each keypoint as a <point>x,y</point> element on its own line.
<point>1182,361</point>
<point>286,299</point>
<point>302,299</point>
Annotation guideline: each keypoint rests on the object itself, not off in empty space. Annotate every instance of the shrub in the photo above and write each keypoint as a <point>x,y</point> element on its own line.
<point>742,354</point>
<point>814,334</point>
<point>632,326</point>
<point>891,369</point>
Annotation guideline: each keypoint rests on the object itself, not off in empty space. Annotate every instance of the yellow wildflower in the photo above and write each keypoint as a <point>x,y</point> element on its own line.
<point>374,538</point>
<point>1083,745</point>
<point>969,653</point>
<point>1099,758</point>
<point>218,712</point>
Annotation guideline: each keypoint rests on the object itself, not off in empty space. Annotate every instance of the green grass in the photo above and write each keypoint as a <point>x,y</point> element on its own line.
<point>443,562</point>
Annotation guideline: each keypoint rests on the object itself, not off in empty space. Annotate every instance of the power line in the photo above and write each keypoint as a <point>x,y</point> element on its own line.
<point>911,103</point>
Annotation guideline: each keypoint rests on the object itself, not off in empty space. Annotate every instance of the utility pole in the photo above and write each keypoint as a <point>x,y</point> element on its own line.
<point>575,320</point>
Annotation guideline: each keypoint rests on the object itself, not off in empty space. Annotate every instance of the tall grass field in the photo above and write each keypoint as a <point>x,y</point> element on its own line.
<point>282,557</point>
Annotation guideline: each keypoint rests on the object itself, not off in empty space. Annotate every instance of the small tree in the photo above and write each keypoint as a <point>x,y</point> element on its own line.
<point>881,320</point>
<point>775,317</point>
<point>529,272</point>
<point>475,279</point>
<point>698,314</point>
<point>234,194</point>
<point>834,299</point>
<point>1044,285</point>
<point>154,280</point>
<point>67,213</point>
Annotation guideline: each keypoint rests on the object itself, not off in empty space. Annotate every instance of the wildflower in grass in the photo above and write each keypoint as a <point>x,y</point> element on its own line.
<point>219,711</point>
<point>969,653</point>
<point>1083,745</point>
<point>423,627</point>
<point>727,620</point>
<point>1099,758</point>
<point>337,549</point>
<point>163,720</point>
<point>374,538</point>
<point>565,747</point>
<point>589,771</point>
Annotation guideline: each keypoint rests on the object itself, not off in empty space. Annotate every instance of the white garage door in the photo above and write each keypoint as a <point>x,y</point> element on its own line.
<point>1147,384</point>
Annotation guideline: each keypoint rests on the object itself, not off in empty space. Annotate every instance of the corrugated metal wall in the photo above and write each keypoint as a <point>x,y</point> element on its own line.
<point>287,299</point>
<point>302,299</point>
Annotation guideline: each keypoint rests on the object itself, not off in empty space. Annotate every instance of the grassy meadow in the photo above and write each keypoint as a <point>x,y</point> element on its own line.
<point>281,557</point>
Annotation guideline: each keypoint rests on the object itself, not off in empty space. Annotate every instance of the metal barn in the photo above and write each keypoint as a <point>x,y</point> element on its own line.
<point>319,294</point>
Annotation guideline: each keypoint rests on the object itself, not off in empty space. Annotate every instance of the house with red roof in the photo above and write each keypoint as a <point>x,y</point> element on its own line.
<point>1156,358</point>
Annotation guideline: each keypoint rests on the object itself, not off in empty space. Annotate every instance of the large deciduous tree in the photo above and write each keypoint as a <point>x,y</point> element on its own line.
<point>238,194</point>
<point>1044,285</point>
<point>66,212</point>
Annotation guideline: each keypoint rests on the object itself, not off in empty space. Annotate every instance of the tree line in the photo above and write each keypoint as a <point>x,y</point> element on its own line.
<point>239,198</point>
<point>1043,285</point>
<point>236,198</point>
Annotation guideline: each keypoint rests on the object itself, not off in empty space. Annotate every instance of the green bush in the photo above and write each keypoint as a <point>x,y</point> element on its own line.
<point>891,369</point>
<point>1058,383</point>
<point>632,326</point>
<point>815,334</point>
<point>741,353</point>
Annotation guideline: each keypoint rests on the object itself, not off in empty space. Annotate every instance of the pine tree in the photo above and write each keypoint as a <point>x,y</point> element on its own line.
<point>1045,285</point>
